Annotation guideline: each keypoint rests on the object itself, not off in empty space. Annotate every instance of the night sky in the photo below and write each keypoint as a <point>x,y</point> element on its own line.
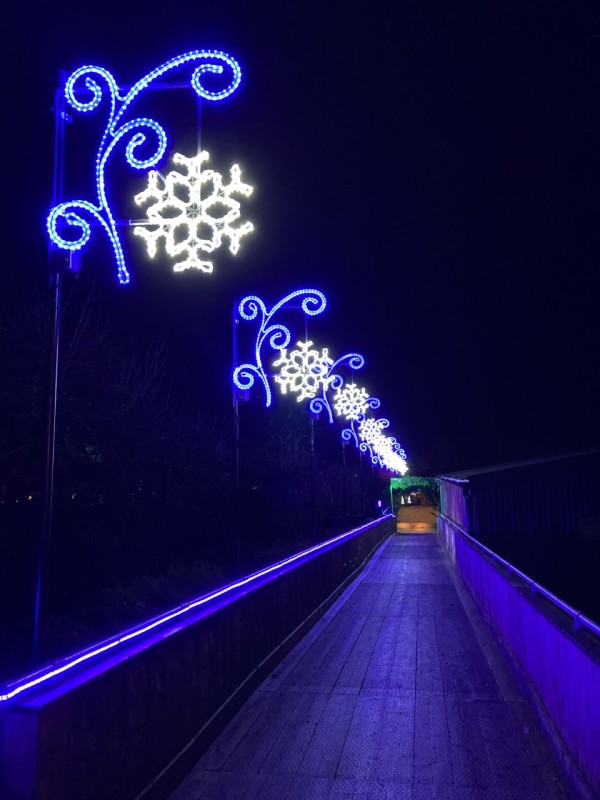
<point>433,168</point>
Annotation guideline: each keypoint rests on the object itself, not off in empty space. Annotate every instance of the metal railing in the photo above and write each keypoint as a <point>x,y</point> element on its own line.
<point>579,620</point>
<point>178,617</point>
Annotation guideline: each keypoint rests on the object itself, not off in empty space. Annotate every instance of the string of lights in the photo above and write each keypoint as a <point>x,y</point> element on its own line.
<point>311,374</point>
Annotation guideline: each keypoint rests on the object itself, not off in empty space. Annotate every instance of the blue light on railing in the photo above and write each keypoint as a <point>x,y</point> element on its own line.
<point>37,680</point>
<point>579,619</point>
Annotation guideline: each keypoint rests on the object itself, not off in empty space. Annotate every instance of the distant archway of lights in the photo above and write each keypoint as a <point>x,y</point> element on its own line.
<point>314,376</point>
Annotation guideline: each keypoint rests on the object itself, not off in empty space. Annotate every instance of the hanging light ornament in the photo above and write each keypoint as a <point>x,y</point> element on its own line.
<point>351,402</point>
<point>192,210</point>
<point>303,371</point>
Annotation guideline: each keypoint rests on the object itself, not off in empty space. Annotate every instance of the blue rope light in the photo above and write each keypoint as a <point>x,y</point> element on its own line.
<point>94,83</point>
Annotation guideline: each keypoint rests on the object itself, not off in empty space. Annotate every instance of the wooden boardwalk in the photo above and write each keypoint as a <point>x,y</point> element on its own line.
<point>399,691</point>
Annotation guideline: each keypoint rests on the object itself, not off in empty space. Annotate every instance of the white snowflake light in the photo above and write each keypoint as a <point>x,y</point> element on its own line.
<point>350,402</point>
<point>192,211</point>
<point>371,431</point>
<point>385,448</point>
<point>388,456</point>
<point>303,370</point>
<point>394,463</point>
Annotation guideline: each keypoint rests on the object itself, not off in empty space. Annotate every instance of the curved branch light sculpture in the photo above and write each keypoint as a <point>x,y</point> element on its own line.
<point>70,223</point>
<point>274,334</point>
<point>352,403</point>
<point>345,403</point>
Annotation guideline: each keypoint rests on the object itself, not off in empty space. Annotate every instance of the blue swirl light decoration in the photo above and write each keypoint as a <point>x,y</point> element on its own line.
<point>398,448</point>
<point>276,335</point>
<point>93,83</point>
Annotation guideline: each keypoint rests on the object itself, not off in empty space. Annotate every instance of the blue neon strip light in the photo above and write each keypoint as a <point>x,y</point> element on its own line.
<point>93,83</point>
<point>31,682</point>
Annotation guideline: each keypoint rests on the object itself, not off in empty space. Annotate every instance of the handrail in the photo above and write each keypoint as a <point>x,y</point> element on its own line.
<point>579,619</point>
<point>162,624</point>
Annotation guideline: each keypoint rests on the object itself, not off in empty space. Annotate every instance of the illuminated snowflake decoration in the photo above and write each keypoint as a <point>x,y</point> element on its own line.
<point>303,371</point>
<point>192,210</point>
<point>389,456</point>
<point>371,431</point>
<point>351,402</point>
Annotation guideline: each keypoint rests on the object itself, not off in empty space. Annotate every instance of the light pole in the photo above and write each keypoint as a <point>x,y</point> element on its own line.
<point>48,483</point>
<point>344,491</point>
<point>70,224</point>
<point>362,491</point>
<point>236,446</point>
<point>313,525</point>
<point>276,336</point>
<point>58,263</point>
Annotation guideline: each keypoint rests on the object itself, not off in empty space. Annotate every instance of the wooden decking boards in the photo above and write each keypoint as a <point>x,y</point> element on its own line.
<point>399,691</point>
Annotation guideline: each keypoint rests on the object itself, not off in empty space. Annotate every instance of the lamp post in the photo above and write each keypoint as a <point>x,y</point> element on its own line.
<point>344,491</point>
<point>70,224</point>
<point>313,526</point>
<point>312,374</point>
<point>48,482</point>
<point>236,446</point>
<point>276,336</point>
<point>362,491</point>
<point>58,264</point>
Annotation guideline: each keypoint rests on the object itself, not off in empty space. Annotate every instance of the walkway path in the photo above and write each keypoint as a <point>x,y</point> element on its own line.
<point>399,691</point>
<point>416,519</point>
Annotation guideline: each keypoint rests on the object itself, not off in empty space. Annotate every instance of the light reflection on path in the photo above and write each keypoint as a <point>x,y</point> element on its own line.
<point>416,519</point>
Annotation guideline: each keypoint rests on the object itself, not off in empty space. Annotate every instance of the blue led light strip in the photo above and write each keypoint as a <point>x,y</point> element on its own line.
<point>278,336</point>
<point>31,682</point>
<point>86,82</point>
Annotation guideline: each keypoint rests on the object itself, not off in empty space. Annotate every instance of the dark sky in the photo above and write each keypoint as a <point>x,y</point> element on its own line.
<point>433,168</point>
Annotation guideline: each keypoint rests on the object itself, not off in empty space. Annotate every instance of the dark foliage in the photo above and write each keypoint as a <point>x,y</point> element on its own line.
<point>146,512</point>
